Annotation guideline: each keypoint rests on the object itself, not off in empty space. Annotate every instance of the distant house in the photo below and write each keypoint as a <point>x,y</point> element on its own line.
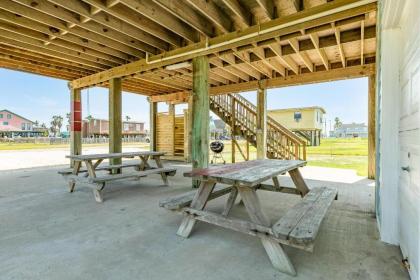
<point>218,128</point>
<point>100,127</point>
<point>13,125</point>
<point>306,122</point>
<point>351,130</point>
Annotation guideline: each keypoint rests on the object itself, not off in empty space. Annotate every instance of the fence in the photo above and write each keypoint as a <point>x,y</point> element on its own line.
<point>58,141</point>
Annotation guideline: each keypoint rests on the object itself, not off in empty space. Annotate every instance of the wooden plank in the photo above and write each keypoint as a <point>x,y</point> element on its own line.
<point>137,175</point>
<point>299,181</point>
<point>115,155</point>
<point>301,223</point>
<point>242,226</point>
<point>182,200</point>
<point>372,127</point>
<point>274,250</point>
<point>249,173</point>
<point>199,202</point>
<point>261,122</point>
<point>230,201</point>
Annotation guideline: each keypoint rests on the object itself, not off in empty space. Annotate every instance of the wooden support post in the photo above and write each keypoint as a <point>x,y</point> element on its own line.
<point>171,114</point>
<point>261,122</point>
<point>153,114</point>
<point>232,126</point>
<point>247,149</point>
<point>188,129</point>
<point>371,127</point>
<point>75,123</point>
<point>115,122</point>
<point>200,114</point>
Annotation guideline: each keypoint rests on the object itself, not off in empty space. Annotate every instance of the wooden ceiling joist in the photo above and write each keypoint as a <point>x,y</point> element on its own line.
<point>92,41</point>
<point>308,78</point>
<point>316,16</point>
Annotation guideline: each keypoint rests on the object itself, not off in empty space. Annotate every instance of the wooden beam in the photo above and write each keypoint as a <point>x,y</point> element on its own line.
<point>340,46</point>
<point>188,15</point>
<point>75,123</point>
<point>321,52</point>
<point>115,119</point>
<point>261,122</point>
<point>362,42</point>
<point>154,12</point>
<point>139,21</point>
<point>267,6</point>
<point>372,127</point>
<point>148,43</point>
<point>316,16</point>
<point>213,13</point>
<point>305,58</point>
<point>333,74</point>
<point>153,114</point>
<point>200,113</point>
<point>242,13</point>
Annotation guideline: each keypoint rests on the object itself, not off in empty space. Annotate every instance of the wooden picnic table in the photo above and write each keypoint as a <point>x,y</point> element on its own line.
<point>297,228</point>
<point>93,162</point>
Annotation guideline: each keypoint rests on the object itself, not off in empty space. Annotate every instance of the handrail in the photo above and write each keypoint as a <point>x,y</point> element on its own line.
<point>281,142</point>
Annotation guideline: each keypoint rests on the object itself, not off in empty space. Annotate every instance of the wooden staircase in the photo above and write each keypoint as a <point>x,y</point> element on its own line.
<point>281,142</point>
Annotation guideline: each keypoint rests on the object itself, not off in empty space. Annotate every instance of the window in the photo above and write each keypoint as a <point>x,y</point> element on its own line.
<point>1,116</point>
<point>126,127</point>
<point>5,123</point>
<point>9,116</point>
<point>23,126</point>
<point>298,116</point>
<point>137,127</point>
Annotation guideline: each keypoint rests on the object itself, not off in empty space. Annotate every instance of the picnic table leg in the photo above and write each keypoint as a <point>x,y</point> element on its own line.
<point>76,169</point>
<point>97,191</point>
<point>299,181</point>
<point>160,165</point>
<point>144,164</point>
<point>199,202</point>
<point>231,201</point>
<point>274,250</point>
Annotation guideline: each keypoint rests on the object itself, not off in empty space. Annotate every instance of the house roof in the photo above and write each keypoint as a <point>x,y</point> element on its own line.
<point>299,109</point>
<point>16,115</point>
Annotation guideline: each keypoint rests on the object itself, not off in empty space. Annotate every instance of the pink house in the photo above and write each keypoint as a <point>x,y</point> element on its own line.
<point>12,124</point>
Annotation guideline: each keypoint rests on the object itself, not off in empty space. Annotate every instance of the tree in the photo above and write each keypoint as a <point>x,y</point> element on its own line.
<point>56,124</point>
<point>127,118</point>
<point>337,123</point>
<point>36,123</point>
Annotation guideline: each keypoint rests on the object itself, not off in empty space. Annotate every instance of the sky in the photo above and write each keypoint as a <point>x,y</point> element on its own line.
<point>39,98</point>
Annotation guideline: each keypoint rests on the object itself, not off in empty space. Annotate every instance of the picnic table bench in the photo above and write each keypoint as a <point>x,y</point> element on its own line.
<point>297,228</point>
<point>92,163</point>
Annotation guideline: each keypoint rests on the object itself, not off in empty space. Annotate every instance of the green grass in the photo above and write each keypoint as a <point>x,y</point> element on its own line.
<point>348,153</point>
<point>341,147</point>
<point>334,153</point>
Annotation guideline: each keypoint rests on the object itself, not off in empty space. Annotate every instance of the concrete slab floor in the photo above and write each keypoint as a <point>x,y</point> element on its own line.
<point>48,233</point>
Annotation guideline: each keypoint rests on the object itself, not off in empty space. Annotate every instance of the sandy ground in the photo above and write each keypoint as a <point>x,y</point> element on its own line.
<point>19,159</point>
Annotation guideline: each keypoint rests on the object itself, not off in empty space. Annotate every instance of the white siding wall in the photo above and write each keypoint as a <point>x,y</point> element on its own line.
<point>409,136</point>
<point>401,22</point>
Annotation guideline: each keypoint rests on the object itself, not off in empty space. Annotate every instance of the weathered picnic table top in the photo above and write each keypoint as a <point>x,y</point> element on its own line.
<point>115,155</point>
<point>248,173</point>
